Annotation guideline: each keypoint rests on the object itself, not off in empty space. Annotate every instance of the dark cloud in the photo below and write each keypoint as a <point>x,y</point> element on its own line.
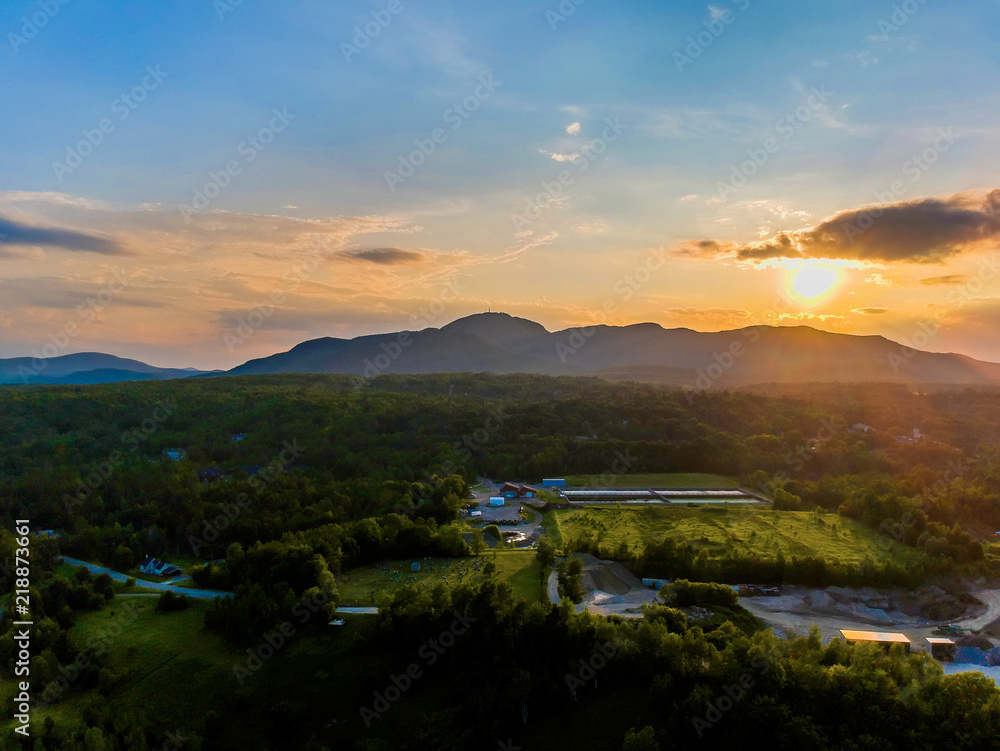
<point>383,256</point>
<point>920,231</point>
<point>14,233</point>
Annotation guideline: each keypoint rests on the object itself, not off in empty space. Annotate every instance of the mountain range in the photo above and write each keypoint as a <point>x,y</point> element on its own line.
<point>500,343</point>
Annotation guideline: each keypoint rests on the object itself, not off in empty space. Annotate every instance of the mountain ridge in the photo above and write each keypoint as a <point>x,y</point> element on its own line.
<point>502,343</point>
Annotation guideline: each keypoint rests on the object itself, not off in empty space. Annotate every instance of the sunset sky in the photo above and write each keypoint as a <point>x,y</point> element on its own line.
<point>172,170</point>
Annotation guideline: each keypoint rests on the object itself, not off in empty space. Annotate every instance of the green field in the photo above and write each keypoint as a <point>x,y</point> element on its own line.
<point>518,567</point>
<point>720,530</point>
<point>166,663</point>
<point>657,482</point>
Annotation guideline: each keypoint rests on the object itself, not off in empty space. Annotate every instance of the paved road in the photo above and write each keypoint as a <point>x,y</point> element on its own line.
<point>197,594</point>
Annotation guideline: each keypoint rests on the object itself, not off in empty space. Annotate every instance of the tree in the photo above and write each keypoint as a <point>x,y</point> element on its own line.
<point>569,572</point>
<point>546,551</point>
<point>124,559</point>
<point>641,740</point>
<point>477,542</point>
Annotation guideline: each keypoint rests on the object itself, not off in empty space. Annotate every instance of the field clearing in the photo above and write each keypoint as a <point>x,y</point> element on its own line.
<point>166,663</point>
<point>720,531</point>
<point>656,481</point>
<point>517,567</point>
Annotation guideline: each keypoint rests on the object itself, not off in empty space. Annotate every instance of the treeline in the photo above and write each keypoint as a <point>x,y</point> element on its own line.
<point>551,678</point>
<point>299,452</point>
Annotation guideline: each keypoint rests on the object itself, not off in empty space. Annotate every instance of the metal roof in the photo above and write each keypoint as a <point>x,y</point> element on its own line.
<point>875,636</point>
<point>938,640</point>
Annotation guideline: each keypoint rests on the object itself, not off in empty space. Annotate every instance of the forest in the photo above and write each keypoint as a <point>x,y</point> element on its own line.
<point>279,484</point>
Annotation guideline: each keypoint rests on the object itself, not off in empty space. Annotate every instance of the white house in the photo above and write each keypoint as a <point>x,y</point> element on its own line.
<point>158,568</point>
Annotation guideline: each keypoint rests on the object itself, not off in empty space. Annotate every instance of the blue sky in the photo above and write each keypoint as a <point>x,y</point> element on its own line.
<point>848,93</point>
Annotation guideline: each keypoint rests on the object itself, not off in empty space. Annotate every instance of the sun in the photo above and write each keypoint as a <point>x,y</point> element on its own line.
<point>812,281</point>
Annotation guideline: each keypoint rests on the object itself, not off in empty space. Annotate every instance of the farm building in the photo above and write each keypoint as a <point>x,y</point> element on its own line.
<point>510,490</point>
<point>496,501</point>
<point>875,637</point>
<point>553,483</point>
<point>941,648</point>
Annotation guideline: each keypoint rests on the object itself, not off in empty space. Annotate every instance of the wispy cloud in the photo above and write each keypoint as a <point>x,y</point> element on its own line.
<point>16,233</point>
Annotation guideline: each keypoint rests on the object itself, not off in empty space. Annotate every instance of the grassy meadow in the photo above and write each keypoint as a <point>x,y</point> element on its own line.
<point>720,530</point>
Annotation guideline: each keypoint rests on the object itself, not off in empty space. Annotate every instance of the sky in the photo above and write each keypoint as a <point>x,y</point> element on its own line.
<point>197,184</point>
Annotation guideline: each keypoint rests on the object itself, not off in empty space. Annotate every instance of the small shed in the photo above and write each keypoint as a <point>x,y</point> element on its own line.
<point>415,566</point>
<point>942,648</point>
<point>496,501</point>
<point>876,637</point>
<point>553,483</point>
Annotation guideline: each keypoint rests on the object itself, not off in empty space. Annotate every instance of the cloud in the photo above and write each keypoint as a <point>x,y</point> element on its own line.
<point>573,129</point>
<point>383,256</point>
<point>870,311</point>
<point>925,230</point>
<point>941,281</point>
<point>559,157</point>
<point>15,233</point>
<point>716,13</point>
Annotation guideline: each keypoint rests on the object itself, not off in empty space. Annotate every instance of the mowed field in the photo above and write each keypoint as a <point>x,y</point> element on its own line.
<point>657,482</point>
<point>363,586</point>
<point>722,530</point>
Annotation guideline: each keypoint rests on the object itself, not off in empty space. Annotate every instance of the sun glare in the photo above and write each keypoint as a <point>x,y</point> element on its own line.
<point>812,282</point>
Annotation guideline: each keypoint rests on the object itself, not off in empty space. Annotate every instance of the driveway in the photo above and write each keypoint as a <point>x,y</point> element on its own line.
<point>990,598</point>
<point>197,594</point>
